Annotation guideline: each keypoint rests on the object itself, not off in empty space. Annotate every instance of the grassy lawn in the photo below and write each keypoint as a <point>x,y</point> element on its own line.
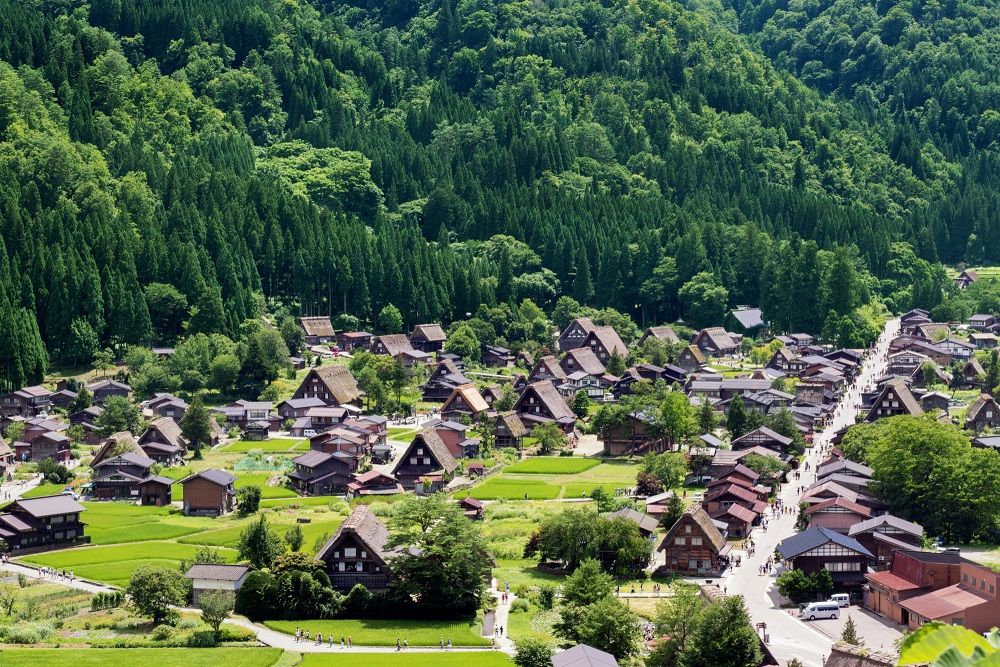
<point>44,490</point>
<point>161,657</point>
<point>272,445</point>
<point>260,479</point>
<point>556,465</point>
<point>432,659</point>
<point>385,633</point>
<point>515,572</point>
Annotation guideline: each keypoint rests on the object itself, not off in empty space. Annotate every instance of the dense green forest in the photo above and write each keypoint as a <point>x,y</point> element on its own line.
<point>193,163</point>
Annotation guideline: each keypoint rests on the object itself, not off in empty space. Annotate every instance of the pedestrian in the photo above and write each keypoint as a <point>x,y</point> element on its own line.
<point>406,644</point>
<point>442,643</point>
<point>331,640</point>
<point>397,644</point>
<point>501,631</point>
<point>342,643</point>
<point>449,643</point>
<point>319,638</point>
<point>350,641</point>
<point>296,635</point>
<point>307,635</point>
<point>494,643</point>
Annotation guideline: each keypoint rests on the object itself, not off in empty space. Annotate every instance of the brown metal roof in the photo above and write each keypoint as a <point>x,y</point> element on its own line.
<point>49,505</point>
<point>944,603</point>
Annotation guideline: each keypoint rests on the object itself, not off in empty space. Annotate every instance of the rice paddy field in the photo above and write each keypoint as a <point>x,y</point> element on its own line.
<point>549,478</point>
<point>370,632</point>
<point>402,659</point>
<point>123,537</point>
<point>161,657</point>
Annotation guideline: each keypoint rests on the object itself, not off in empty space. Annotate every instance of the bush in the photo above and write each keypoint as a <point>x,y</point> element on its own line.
<point>162,633</point>
<point>520,605</point>
<point>29,633</point>
<point>547,596</point>
<point>202,639</point>
<point>256,596</point>
<point>234,633</point>
<point>106,600</point>
<point>188,624</point>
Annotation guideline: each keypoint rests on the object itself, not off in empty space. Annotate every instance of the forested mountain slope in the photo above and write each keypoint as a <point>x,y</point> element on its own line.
<point>336,157</point>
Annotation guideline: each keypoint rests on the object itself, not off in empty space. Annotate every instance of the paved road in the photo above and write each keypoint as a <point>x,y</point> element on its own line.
<point>790,637</point>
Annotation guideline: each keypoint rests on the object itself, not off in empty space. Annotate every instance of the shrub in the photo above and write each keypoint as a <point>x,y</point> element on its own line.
<point>29,633</point>
<point>202,639</point>
<point>520,605</point>
<point>234,633</point>
<point>187,624</point>
<point>547,596</point>
<point>162,633</point>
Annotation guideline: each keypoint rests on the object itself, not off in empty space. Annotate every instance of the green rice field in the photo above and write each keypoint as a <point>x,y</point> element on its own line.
<point>161,657</point>
<point>512,489</point>
<point>370,632</point>
<point>556,465</point>
<point>127,536</point>
<point>44,490</point>
<point>402,659</point>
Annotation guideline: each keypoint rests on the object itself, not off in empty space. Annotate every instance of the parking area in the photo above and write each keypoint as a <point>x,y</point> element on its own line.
<point>877,632</point>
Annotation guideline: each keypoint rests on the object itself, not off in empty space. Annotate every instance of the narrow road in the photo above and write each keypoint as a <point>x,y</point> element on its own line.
<point>788,636</point>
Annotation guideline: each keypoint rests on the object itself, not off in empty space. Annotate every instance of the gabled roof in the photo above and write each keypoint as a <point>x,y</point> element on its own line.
<point>513,424</point>
<point>974,366</point>
<point>550,366</point>
<point>840,465</point>
<point>903,395</point>
<point>317,326</point>
<point>796,545</point>
<point>767,433</point>
<point>107,383</point>
<point>582,655</point>
<point>664,333</point>
<point>842,503</point>
<point>944,603</point>
<point>303,403</point>
<point>887,520</point>
<point>749,318</point>
<point>696,353</point>
<point>583,359</point>
<point>550,398</point>
<point>167,428</point>
<point>609,339</point>
<point>430,439</point>
<point>470,395</point>
<point>220,477</point>
<point>123,441</point>
<point>984,401</point>
<point>44,506</point>
<point>140,460</point>
<point>339,382</point>
<point>217,572</point>
<point>720,338</point>
<point>829,487</point>
<point>432,333</point>
<point>364,526</point>
<point>32,392</point>
<point>644,521</point>
<point>312,458</point>
<point>742,513</point>
<point>703,521</point>
<point>395,344</point>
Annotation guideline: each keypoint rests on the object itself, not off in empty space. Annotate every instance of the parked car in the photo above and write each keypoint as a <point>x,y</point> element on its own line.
<point>843,599</point>
<point>816,610</point>
<point>71,493</point>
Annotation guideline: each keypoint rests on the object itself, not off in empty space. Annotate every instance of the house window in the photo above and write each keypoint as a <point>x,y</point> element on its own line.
<point>958,621</point>
<point>680,541</point>
<point>350,552</point>
<point>342,566</point>
<point>973,582</point>
<point>364,554</point>
<point>965,578</point>
<point>687,528</point>
<point>992,590</point>
<point>696,541</point>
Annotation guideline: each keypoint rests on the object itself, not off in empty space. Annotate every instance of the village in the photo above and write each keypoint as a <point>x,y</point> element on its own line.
<point>706,454</point>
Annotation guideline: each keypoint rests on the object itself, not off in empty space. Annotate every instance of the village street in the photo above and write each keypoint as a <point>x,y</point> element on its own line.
<point>788,636</point>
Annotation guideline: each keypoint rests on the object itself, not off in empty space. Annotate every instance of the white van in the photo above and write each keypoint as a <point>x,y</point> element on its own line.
<point>816,610</point>
<point>843,599</point>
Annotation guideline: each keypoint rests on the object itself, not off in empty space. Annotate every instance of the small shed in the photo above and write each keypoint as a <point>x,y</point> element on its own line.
<point>208,577</point>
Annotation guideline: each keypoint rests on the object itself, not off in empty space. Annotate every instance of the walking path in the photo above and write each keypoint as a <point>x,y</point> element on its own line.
<point>788,636</point>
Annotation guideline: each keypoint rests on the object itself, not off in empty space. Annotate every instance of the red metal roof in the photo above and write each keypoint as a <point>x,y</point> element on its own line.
<point>944,603</point>
<point>893,581</point>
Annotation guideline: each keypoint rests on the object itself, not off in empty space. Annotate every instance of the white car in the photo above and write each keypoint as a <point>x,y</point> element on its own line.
<point>71,493</point>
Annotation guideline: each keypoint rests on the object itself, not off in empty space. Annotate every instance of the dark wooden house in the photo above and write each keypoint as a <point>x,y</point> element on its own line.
<point>574,334</point>
<point>540,403</point>
<point>317,329</point>
<point>210,492</point>
<point>510,430</point>
<point>426,455</point>
<point>34,523</point>
<point>983,414</point>
<point>428,338</point>
<point>464,401</point>
<point>322,474</point>
<point>332,384</point>
<point>694,545</point>
<point>821,548</point>
<point>357,552</point>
